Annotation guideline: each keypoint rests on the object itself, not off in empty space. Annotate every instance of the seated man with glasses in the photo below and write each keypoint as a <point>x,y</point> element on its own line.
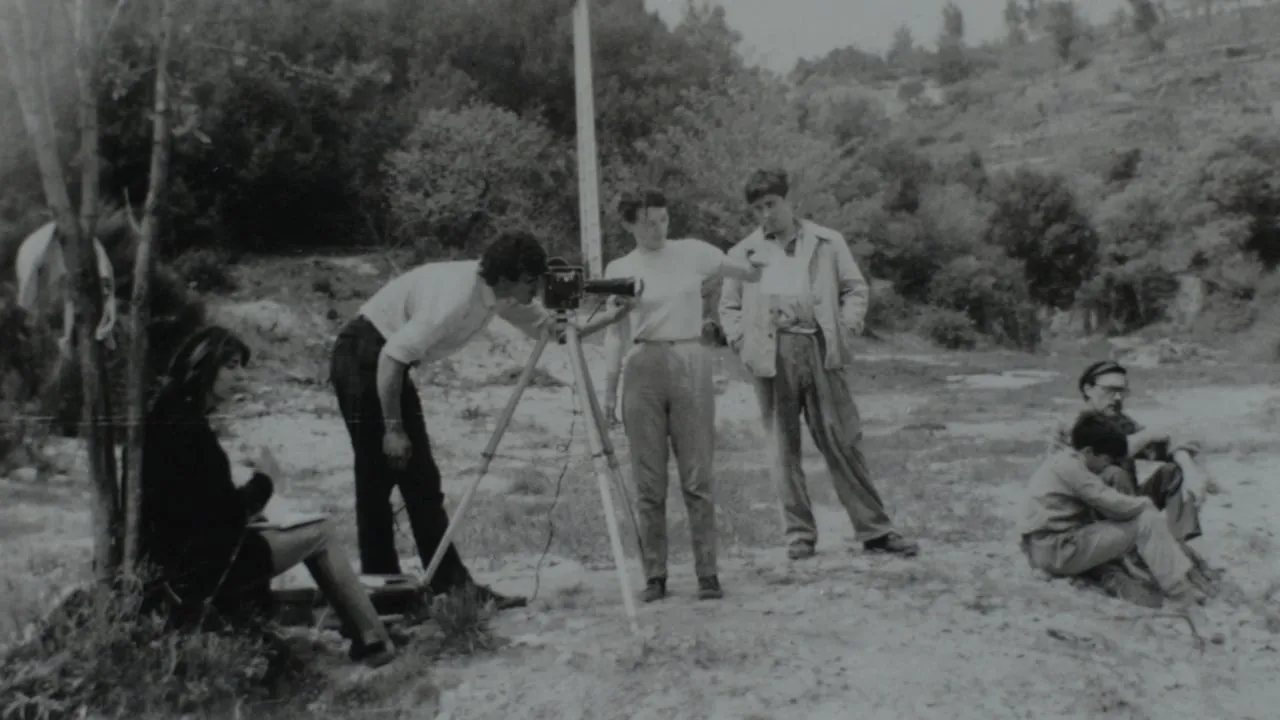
<point>1173,478</point>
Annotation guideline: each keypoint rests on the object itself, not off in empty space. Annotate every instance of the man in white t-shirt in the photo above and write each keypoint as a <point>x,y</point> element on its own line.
<point>420,317</point>
<point>794,331</point>
<point>668,393</point>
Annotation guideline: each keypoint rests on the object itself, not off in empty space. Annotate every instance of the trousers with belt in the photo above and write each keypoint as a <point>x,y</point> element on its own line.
<point>669,403</point>
<point>803,387</point>
<point>354,373</point>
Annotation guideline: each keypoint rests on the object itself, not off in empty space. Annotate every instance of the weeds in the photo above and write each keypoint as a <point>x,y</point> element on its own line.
<point>98,652</point>
<point>463,619</point>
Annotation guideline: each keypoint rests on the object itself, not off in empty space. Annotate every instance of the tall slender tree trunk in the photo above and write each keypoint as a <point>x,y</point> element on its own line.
<point>25,34</point>
<point>143,265</point>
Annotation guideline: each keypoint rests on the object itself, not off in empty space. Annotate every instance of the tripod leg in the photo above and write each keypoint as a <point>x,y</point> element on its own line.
<point>615,468</point>
<point>594,441</point>
<point>504,420</point>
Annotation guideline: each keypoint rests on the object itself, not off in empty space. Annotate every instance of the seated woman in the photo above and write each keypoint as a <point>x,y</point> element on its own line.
<point>196,524</point>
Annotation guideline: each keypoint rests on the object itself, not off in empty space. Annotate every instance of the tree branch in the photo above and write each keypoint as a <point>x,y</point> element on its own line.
<point>143,266</point>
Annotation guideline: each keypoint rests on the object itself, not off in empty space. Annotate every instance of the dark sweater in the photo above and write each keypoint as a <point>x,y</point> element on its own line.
<point>194,519</point>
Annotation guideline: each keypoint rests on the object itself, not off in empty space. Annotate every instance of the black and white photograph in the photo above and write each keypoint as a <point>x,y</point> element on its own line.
<point>639,359</point>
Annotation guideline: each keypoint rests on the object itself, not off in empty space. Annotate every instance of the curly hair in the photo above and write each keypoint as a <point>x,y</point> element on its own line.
<point>513,256</point>
<point>766,182</point>
<point>631,202</point>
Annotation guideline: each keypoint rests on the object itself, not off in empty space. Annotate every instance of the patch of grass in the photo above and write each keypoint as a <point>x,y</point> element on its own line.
<point>529,481</point>
<point>95,651</point>
<point>463,620</point>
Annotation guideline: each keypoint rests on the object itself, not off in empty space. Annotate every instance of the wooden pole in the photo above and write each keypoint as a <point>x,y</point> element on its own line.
<point>588,173</point>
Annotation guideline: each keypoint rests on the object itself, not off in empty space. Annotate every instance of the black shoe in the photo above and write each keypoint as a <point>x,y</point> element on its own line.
<point>892,544</point>
<point>800,550</point>
<point>709,588</point>
<point>486,594</point>
<point>654,590</point>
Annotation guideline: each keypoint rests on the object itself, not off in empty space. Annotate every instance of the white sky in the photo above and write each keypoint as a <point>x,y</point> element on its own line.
<point>777,32</point>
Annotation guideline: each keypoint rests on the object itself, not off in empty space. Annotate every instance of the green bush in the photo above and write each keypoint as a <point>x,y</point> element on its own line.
<point>888,310</point>
<point>909,249</point>
<point>451,188</point>
<point>950,329</point>
<point>1038,221</point>
<point>991,293</point>
<point>1234,181</point>
<point>1133,281</point>
<point>96,651</point>
<point>206,270</point>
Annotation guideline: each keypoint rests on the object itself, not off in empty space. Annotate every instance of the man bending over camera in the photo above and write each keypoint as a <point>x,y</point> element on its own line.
<point>424,316</point>
<point>1074,522</point>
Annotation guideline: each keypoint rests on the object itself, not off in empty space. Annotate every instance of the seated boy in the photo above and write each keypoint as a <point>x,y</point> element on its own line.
<point>1074,522</point>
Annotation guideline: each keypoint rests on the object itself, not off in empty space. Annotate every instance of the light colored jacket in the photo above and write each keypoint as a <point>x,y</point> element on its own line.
<point>841,293</point>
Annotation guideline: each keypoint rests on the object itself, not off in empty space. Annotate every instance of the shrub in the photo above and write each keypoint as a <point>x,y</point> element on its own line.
<point>1037,221</point>
<point>22,371</point>
<point>1133,281</point>
<point>969,170</point>
<point>888,310</point>
<point>910,248</point>
<point>96,651</point>
<point>451,188</point>
<point>205,270</point>
<point>990,292</point>
<point>950,329</point>
<point>901,172</point>
<point>1237,179</point>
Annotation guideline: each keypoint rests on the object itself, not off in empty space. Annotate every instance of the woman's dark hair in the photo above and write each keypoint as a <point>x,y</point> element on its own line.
<point>1094,432</point>
<point>195,367</point>
<point>513,256</point>
<point>632,202</point>
<point>1090,376</point>
<point>766,182</point>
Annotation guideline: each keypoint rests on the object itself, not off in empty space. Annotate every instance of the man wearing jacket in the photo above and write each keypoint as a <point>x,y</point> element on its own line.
<point>794,330</point>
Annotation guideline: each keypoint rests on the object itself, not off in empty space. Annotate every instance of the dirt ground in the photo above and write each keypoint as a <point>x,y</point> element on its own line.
<point>964,631</point>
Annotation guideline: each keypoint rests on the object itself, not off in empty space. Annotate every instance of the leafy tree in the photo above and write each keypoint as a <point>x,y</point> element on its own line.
<point>902,51</point>
<point>1132,283</point>
<point>1014,19</point>
<point>1145,16</point>
<point>1062,20</point>
<point>952,22</point>
<point>1037,221</point>
<point>451,189</point>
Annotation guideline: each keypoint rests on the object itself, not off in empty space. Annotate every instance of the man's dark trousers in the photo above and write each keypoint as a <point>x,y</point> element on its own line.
<point>354,373</point>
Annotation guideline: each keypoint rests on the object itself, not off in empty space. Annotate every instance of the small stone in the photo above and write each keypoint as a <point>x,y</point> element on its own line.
<point>25,475</point>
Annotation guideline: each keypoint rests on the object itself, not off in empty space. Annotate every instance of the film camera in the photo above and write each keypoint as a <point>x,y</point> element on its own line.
<point>564,285</point>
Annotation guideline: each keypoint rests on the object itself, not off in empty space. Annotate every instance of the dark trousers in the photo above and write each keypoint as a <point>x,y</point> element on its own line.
<point>354,373</point>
